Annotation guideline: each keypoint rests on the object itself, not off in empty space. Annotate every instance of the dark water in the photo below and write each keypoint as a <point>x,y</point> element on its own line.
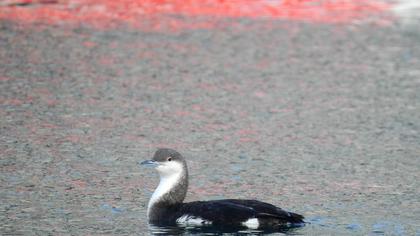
<point>322,120</point>
<point>207,230</point>
<point>314,226</point>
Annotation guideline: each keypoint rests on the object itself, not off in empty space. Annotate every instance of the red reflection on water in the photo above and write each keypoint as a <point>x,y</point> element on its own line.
<point>106,13</point>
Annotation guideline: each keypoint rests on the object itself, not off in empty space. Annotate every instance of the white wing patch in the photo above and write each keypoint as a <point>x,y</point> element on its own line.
<point>251,223</point>
<point>192,220</point>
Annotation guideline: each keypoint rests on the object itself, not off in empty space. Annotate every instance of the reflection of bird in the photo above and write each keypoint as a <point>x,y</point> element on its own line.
<point>166,205</point>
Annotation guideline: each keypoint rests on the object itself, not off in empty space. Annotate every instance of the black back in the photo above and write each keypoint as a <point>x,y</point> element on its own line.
<point>231,212</point>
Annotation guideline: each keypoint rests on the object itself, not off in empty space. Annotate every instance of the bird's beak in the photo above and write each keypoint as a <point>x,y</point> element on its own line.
<point>149,163</point>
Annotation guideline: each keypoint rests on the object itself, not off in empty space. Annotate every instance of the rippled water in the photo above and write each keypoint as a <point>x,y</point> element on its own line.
<point>322,120</point>
<point>313,226</point>
<point>208,230</point>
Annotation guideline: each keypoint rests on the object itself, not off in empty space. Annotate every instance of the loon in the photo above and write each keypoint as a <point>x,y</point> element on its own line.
<point>166,205</point>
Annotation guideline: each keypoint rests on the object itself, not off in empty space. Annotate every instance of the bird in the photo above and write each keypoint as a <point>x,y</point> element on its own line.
<point>166,206</point>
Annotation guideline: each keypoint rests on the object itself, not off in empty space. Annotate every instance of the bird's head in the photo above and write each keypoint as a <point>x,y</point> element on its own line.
<point>167,162</point>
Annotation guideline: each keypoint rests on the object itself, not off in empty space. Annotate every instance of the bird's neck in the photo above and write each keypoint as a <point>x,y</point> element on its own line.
<point>171,191</point>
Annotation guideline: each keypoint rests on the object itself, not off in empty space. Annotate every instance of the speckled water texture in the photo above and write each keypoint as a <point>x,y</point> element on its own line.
<point>321,119</point>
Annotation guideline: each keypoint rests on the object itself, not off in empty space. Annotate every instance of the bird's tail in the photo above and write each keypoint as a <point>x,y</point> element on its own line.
<point>296,218</point>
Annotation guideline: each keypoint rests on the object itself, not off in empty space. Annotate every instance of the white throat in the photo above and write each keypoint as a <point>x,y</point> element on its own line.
<point>170,175</point>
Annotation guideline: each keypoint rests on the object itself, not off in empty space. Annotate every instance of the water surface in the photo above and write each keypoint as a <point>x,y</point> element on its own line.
<point>320,119</point>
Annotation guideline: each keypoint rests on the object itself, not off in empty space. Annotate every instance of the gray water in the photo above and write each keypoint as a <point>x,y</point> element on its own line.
<point>322,120</point>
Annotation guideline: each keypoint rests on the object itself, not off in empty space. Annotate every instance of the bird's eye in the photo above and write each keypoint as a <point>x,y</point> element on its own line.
<point>169,159</point>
